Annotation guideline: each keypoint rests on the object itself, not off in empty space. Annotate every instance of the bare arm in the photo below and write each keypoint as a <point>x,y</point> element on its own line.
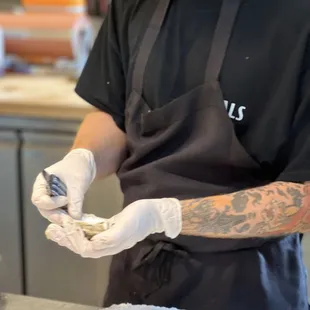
<point>273,210</point>
<point>99,134</point>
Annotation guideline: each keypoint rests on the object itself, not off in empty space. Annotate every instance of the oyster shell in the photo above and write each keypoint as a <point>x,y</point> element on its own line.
<point>93,225</point>
<point>91,230</point>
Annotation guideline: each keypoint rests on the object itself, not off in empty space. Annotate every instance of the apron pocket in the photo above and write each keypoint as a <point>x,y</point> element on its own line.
<point>180,110</point>
<point>183,108</point>
<point>165,273</point>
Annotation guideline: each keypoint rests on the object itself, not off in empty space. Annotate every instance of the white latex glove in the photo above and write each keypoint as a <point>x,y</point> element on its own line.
<point>136,222</point>
<point>77,170</point>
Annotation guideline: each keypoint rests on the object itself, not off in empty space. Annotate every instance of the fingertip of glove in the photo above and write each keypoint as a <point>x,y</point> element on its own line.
<point>46,202</point>
<point>50,231</point>
<point>43,202</point>
<point>60,201</point>
<point>75,214</point>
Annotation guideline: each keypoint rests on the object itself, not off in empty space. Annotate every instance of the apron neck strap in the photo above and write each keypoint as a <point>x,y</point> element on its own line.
<point>219,45</point>
<point>222,34</point>
<point>148,43</point>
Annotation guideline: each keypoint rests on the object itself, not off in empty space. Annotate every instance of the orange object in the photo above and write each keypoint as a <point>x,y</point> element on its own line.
<point>53,2</point>
<point>44,37</point>
<point>72,6</point>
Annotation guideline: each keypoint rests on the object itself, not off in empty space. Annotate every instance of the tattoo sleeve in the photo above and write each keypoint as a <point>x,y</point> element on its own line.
<point>273,210</point>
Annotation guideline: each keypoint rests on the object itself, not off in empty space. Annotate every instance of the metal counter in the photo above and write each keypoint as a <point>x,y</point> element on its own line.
<point>17,302</point>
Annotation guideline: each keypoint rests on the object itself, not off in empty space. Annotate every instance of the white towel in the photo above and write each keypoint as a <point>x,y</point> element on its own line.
<point>137,307</point>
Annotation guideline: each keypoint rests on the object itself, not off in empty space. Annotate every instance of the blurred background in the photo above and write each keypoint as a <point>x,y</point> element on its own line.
<point>43,47</point>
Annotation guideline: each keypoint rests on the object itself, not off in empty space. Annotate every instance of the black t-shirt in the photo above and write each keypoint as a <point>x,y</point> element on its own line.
<point>265,77</point>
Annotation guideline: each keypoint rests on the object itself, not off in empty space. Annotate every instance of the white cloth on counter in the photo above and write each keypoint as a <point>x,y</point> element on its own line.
<point>18,302</point>
<point>137,307</point>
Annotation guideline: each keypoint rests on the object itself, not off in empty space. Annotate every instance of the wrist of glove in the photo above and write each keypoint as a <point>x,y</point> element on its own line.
<point>170,212</point>
<point>135,223</point>
<point>77,170</point>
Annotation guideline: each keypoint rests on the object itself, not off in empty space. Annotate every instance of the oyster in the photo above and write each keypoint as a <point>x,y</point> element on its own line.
<point>91,230</point>
<point>93,225</point>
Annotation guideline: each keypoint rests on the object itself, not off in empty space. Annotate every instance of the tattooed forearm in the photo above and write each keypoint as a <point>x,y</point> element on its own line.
<point>273,210</point>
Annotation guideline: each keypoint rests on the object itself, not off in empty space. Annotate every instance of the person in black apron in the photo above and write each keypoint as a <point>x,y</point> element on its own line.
<point>188,149</point>
<point>195,273</point>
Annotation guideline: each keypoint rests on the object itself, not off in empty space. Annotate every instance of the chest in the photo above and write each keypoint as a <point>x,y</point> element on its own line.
<point>260,75</point>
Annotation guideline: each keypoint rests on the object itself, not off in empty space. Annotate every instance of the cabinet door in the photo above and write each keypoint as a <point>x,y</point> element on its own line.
<point>52,271</point>
<point>10,229</point>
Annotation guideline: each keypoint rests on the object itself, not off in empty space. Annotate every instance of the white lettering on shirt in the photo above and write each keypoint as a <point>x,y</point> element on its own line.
<point>234,111</point>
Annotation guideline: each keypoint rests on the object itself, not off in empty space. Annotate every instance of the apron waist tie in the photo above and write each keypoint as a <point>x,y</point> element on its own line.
<point>155,261</point>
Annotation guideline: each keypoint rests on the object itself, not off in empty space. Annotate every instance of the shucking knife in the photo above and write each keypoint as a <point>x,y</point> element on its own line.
<point>56,187</point>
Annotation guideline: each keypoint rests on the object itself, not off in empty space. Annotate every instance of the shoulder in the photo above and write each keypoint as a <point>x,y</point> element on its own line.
<point>131,18</point>
<point>129,8</point>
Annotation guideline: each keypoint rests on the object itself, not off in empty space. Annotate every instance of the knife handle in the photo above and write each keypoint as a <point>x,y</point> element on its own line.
<point>55,186</point>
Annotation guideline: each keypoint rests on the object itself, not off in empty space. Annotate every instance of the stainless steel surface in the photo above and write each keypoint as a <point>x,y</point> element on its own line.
<point>37,124</point>
<point>51,271</point>
<point>10,235</point>
<point>16,302</point>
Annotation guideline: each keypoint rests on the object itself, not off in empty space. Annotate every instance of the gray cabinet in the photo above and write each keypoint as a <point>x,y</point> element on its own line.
<point>11,276</point>
<point>51,271</point>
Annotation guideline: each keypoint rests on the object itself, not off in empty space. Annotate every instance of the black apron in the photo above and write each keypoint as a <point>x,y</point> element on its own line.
<point>197,155</point>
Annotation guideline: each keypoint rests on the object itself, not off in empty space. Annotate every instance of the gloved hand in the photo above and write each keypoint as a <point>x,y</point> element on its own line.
<point>136,222</point>
<point>77,170</point>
